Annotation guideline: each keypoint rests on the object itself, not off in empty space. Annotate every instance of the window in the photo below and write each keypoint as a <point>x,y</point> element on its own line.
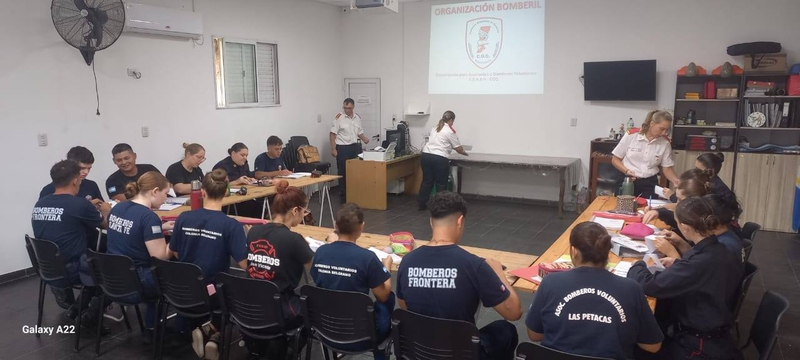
<point>246,73</point>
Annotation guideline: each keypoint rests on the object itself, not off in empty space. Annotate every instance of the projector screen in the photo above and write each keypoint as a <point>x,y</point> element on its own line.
<point>489,47</point>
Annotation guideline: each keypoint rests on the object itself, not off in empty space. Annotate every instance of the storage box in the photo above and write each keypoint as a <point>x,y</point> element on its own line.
<point>773,63</point>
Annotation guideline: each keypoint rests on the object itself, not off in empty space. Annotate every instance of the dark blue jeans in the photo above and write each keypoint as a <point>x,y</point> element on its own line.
<point>498,340</point>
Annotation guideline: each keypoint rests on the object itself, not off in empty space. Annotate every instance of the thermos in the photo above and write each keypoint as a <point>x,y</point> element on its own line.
<point>196,196</point>
<point>627,186</point>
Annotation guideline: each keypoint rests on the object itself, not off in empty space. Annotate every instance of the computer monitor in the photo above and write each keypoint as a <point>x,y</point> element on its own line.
<point>398,137</point>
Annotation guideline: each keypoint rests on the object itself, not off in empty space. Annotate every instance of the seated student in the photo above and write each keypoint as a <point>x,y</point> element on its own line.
<point>135,231</point>
<point>64,218</point>
<point>693,183</point>
<point>128,172</point>
<point>607,317</point>
<point>270,164</point>
<point>236,165</point>
<point>182,173</point>
<point>278,254</point>
<point>365,270</point>
<point>208,238</point>
<point>445,281</point>
<point>702,287</point>
<point>89,189</point>
<point>711,164</point>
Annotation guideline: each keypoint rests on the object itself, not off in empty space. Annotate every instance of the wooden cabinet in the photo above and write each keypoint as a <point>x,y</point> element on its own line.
<point>685,160</point>
<point>765,186</point>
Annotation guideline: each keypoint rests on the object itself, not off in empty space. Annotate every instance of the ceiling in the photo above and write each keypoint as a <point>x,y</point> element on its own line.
<point>347,2</point>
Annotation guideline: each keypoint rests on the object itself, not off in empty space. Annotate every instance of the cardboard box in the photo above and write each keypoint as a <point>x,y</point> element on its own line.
<point>772,63</point>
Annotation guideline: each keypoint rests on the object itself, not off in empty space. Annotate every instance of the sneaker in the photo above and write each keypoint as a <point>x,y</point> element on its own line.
<point>212,348</point>
<point>198,342</point>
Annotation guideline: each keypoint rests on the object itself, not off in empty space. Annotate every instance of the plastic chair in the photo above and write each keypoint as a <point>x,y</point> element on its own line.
<point>182,286</point>
<point>764,332</point>
<point>118,279</point>
<point>295,142</point>
<point>749,230</point>
<point>747,248</point>
<point>48,262</point>
<point>749,272</point>
<point>422,337</point>
<point>337,318</point>
<point>532,351</point>
<point>254,306</point>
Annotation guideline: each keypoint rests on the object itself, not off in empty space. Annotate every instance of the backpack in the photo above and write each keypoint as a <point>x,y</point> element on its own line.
<point>308,154</point>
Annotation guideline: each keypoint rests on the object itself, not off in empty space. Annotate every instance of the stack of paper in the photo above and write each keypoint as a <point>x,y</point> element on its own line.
<point>314,244</point>
<point>296,175</point>
<point>167,206</point>
<point>181,200</point>
<point>610,224</point>
<point>622,268</point>
<point>382,255</point>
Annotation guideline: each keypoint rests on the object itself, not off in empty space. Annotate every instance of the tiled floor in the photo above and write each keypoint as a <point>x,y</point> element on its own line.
<point>491,224</point>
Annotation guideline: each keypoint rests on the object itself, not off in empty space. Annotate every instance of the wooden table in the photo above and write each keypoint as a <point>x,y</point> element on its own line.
<point>258,192</point>
<point>561,245</point>
<point>367,180</point>
<point>568,168</point>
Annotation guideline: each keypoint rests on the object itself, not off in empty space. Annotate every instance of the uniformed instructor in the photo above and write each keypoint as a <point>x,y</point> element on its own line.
<point>345,131</point>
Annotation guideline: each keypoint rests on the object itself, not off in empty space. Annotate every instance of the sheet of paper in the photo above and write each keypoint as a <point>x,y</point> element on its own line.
<point>653,264</point>
<point>659,191</point>
<point>172,192</point>
<point>628,243</point>
<point>180,200</point>
<point>655,203</point>
<point>622,268</point>
<point>296,175</point>
<point>314,244</point>
<point>168,207</point>
<point>382,255</point>
<point>649,242</point>
<point>611,224</point>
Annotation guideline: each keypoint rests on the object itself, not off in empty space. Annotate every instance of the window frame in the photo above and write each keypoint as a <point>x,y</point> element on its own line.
<point>218,51</point>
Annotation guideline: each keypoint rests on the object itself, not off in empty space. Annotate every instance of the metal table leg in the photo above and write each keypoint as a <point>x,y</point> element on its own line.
<point>562,182</point>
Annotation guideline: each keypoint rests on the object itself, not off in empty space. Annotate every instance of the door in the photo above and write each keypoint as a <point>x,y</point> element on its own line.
<point>752,186</point>
<point>780,198</point>
<point>367,95</point>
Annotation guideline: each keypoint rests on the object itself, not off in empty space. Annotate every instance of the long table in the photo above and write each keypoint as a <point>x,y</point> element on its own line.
<point>568,168</point>
<point>561,245</point>
<point>258,192</point>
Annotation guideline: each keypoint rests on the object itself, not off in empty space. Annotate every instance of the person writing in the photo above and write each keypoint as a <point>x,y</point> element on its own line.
<point>345,132</point>
<point>128,172</point>
<point>364,271</point>
<point>182,173</point>
<point>89,189</point>
<point>269,164</point>
<point>702,287</point>
<point>711,164</point>
<point>135,231</point>
<point>463,280</point>
<point>642,154</point>
<point>590,324</point>
<point>236,165</point>
<point>435,157</point>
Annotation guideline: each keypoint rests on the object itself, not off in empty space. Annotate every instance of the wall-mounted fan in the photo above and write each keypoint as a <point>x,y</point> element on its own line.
<point>88,25</point>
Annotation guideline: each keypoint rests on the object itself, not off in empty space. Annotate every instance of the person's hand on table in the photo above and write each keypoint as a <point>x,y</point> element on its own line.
<point>666,248</point>
<point>332,237</point>
<point>387,262</point>
<point>284,173</point>
<point>495,265</point>
<point>649,216</point>
<point>167,226</point>
<point>667,262</point>
<point>668,193</point>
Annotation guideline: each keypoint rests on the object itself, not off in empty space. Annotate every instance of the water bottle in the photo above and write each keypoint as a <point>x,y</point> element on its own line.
<point>630,124</point>
<point>627,186</point>
<point>196,196</point>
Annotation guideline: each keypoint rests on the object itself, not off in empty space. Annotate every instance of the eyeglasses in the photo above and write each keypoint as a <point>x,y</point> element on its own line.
<point>306,211</point>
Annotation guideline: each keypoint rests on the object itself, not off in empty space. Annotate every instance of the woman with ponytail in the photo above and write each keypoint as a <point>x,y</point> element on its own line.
<point>135,231</point>
<point>182,173</point>
<point>644,154</point>
<point>710,164</point>
<point>279,255</point>
<point>702,287</point>
<point>236,165</point>
<point>435,157</point>
<point>609,331</point>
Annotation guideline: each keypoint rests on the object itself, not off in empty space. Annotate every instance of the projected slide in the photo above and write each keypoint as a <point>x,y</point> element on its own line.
<point>490,47</point>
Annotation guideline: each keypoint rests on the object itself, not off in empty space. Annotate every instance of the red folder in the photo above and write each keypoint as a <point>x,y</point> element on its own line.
<point>527,273</point>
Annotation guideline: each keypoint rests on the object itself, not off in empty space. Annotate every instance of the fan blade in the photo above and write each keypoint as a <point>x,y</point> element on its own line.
<point>81,4</point>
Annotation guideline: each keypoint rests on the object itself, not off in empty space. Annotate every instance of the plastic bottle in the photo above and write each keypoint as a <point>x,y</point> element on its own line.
<point>611,134</point>
<point>196,196</point>
<point>630,124</point>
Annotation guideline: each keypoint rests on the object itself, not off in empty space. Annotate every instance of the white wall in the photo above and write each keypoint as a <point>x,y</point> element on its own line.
<point>673,32</point>
<point>47,88</point>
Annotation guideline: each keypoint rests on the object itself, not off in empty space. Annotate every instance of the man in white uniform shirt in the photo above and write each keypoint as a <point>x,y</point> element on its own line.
<point>345,132</point>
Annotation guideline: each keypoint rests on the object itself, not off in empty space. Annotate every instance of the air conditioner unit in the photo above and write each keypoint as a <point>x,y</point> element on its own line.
<point>390,5</point>
<point>148,19</point>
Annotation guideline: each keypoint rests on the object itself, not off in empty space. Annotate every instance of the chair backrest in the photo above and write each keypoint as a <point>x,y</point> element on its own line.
<point>116,275</point>
<point>747,248</point>
<point>31,254</point>
<point>764,332</point>
<point>251,304</point>
<point>289,155</point>
<point>338,317</point>
<point>183,285</point>
<point>298,141</point>
<point>749,272</point>
<point>49,260</point>
<point>531,351</point>
<point>749,230</point>
<point>422,337</point>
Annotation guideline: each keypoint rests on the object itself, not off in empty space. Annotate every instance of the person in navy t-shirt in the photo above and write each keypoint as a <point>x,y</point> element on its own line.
<point>135,231</point>
<point>343,265</point>
<point>589,310</point>
<point>88,189</point>
<point>443,280</point>
<point>236,165</point>
<point>65,219</point>
<point>129,171</point>
<point>269,164</point>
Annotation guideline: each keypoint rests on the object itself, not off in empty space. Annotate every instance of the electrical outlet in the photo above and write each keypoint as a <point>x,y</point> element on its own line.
<point>573,122</point>
<point>145,131</point>
<point>42,139</point>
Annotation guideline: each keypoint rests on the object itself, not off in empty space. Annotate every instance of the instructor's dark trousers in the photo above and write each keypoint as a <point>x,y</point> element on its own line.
<point>344,153</point>
<point>435,169</point>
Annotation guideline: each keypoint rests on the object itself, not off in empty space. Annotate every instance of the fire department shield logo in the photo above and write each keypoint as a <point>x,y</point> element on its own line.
<point>484,40</point>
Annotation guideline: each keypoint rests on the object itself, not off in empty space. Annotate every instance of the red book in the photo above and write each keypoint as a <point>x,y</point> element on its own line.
<point>528,273</point>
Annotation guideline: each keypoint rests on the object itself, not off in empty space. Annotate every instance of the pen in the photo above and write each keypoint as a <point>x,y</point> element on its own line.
<point>650,202</point>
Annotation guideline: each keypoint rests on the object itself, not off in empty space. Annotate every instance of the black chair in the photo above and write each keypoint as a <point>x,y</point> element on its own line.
<point>118,279</point>
<point>532,351</point>
<point>337,318</point>
<point>749,272</point>
<point>422,337</point>
<point>182,286</point>
<point>764,332</point>
<point>254,306</point>
<point>295,142</point>
<point>48,262</point>
<point>747,248</point>
<point>749,230</point>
